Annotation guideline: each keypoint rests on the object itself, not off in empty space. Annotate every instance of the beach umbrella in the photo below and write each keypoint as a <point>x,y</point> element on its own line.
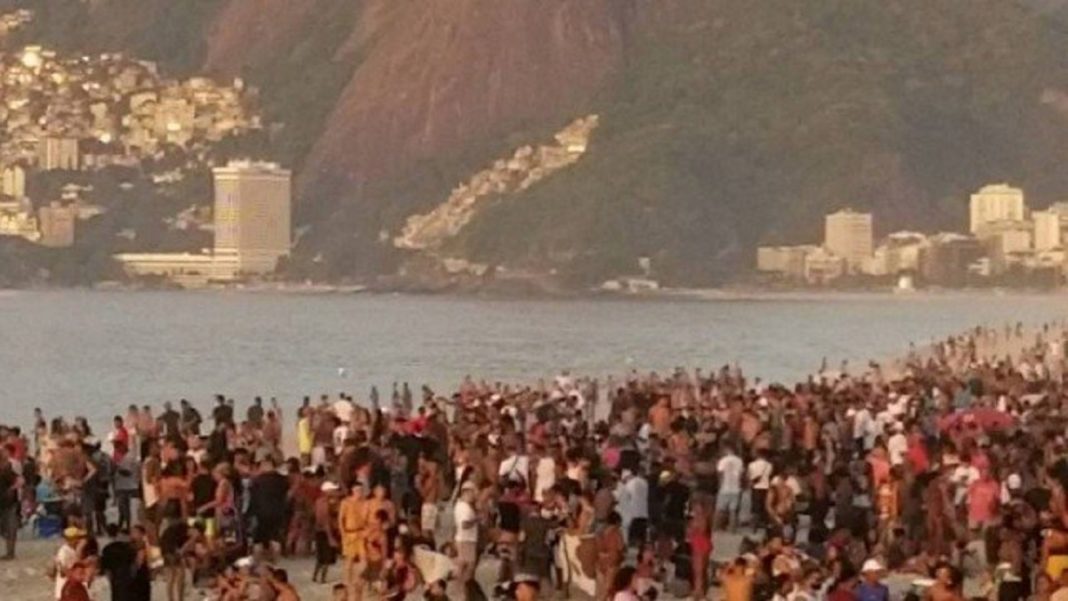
<point>984,418</point>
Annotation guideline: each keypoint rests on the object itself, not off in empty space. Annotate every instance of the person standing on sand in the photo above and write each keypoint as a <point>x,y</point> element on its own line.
<point>305,442</point>
<point>326,533</point>
<point>611,548</point>
<point>267,506</point>
<point>466,519</point>
<point>428,483</point>
<point>10,484</point>
<point>352,523</point>
<point>699,535</point>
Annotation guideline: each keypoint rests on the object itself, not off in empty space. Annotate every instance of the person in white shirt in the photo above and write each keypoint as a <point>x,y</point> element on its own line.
<point>515,467</point>
<point>466,538</point>
<point>632,503</point>
<point>730,469</point>
<point>341,434</point>
<point>66,556</point>
<point>544,476</point>
<point>759,472</point>
<point>343,410</point>
<point>898,444</point>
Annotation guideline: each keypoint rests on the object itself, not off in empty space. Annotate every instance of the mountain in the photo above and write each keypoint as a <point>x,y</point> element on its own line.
<point>723,124</point>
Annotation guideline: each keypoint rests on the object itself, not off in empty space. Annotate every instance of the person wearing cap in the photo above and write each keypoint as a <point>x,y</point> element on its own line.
<point>66,556</point>
<point>326,533</point>
<point>871,587</point>
<point>525,587</point>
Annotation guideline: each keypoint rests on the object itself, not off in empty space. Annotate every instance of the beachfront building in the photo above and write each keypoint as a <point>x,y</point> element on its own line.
<point>57,152</point>
<point>823,266</point>
<point>13,181</point>
<point>994,204</point>
<point>252,230</point>
<point>849,235</point>
<point>56,223</point>
<point>252,215</point>
<point>899,253</point>
<point>1047,232</point>
<point>1051,227</point>
<point>787,261</point>
<point>947,258</point>
<point>17,218</point>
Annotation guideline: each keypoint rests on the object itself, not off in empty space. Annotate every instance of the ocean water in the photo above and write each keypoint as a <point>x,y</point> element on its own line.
<point>92,353</point>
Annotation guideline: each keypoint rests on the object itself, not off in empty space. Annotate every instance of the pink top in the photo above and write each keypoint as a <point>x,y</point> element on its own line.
<point>983,501</point>
<point>611,457</point>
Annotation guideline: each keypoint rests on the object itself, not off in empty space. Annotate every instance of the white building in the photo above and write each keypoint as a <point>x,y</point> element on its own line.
<point>849,235</point>
<point>1047,230</point>
<point>252,215</point>
<point>252,229</point>
<point>13,181</point>
<point>823,266</point>
<point>55,152</point>
<point>786,260</point>
<point>996,203</point>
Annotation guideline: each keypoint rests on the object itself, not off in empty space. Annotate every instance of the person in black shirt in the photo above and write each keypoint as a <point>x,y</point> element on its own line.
<point>124,563</point>
<point>170,418</point>
<point>223,413</point>
<point>203,487</point>
<point>673,497</point>
<point>190,418</point>
<point>174,544</point>
<point>218,444</point>
<point>255,413</point>
<point>267,506</point>
<point>9,504</point>
<point>509,518</point>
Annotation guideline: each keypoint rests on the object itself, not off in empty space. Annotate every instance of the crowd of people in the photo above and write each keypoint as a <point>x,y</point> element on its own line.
<point>942,477</point>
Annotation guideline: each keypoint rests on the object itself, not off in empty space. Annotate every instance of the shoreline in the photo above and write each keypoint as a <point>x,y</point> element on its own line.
<point>724,294</point>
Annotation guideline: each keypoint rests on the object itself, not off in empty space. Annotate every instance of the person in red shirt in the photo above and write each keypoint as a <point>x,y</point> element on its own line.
<point>917,452</point>
<point>77,586</point>
<point>983,497</point>
<point>120,439</point>
<point>843,589</point>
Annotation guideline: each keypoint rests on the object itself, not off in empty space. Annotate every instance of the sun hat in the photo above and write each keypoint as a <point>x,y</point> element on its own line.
<point>872,565</point>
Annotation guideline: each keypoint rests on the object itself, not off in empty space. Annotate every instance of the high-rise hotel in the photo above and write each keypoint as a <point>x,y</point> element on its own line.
<point>252,230</point>
<point>252,216</point>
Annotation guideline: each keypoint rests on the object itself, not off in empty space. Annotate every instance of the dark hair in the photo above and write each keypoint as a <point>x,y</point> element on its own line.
<point>614,519</point>
<point>622,580</point>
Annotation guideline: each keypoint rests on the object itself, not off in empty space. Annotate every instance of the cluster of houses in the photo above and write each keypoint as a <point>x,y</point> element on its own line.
<point>85,113</point>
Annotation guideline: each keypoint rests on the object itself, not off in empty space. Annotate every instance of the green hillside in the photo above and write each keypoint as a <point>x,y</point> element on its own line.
<point>737,123</point>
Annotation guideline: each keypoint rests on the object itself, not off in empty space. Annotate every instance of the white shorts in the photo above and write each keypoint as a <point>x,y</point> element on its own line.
<point>428,517</point>
<point>318,456</point>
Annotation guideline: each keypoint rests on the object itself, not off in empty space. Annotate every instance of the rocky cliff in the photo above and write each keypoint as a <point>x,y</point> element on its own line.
<point>439,74</point>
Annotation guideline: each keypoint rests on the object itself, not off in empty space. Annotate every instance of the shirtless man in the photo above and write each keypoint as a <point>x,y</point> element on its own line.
<point>428,483</point>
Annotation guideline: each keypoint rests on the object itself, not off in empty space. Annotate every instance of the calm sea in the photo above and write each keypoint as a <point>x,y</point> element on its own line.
<point>93,353</point>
